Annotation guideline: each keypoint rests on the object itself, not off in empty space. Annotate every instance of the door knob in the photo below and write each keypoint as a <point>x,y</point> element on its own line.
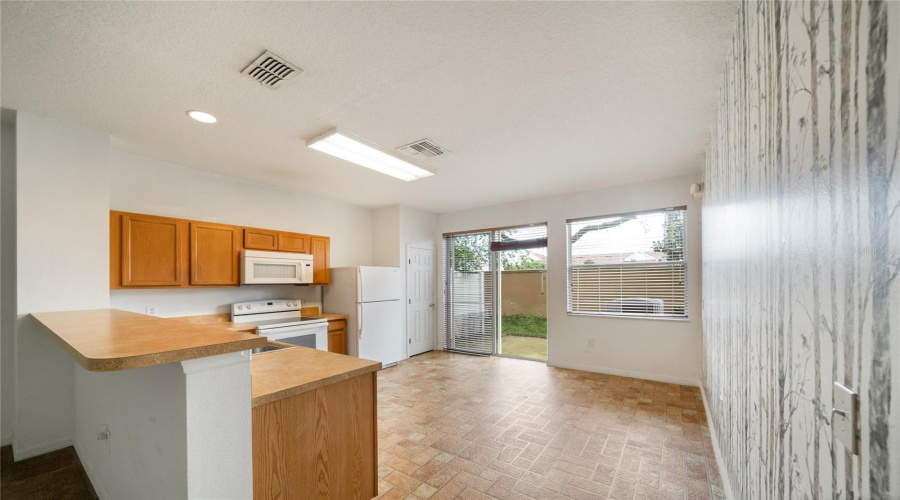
<point>431,305</point>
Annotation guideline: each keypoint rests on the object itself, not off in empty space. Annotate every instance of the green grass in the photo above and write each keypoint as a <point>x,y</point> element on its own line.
<point>520,325</point>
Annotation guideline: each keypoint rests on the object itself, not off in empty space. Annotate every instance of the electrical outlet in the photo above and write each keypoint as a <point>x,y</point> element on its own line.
<point>103,435</point>
<point>152,310</point>
<point>590,342</point>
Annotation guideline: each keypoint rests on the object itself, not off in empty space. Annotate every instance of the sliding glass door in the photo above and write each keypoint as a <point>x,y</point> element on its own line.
<point>495,292</point>
<point>520,257</point>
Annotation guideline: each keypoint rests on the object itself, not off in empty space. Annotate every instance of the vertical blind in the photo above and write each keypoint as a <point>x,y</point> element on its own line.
<point>628,264</point>
<point>469,288</point>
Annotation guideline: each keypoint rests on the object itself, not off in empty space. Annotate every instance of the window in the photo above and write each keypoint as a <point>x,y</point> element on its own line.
<point>631,265</point>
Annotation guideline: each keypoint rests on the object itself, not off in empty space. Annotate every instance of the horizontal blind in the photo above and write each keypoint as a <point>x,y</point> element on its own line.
<point>468,286</point>
<point>520,238</point>
<point>628,264</point>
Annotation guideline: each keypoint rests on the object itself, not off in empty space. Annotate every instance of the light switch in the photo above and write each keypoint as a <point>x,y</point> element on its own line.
<point>845,417</point>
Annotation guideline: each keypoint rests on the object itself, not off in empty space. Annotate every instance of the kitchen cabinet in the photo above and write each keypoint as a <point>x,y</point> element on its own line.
<point>320,443</point>
<point>260,239</point>
<point>215,254</point>
<point>337,336</point>
<point>148,251</point>
<point>151,250</point>
<point>320,248</point>
<point>293,242</point>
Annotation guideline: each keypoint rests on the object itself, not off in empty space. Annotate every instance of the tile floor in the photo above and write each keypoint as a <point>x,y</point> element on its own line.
<point>458,426</point>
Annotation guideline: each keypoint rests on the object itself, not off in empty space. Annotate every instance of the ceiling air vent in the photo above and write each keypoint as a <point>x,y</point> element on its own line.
<point>423,150</point>
<point>271,70</point>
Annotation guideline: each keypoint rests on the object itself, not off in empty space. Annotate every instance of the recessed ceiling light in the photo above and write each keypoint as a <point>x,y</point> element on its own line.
<point>346,146</point>
<point>200,116</point>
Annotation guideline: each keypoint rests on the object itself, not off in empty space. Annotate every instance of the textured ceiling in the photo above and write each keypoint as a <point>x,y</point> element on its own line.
<point>533,99</point>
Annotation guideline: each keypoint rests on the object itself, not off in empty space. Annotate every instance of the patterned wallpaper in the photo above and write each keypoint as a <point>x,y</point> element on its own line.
<point>801,249</point>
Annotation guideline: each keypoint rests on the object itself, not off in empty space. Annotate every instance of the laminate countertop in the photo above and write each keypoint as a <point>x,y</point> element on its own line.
<point>220,321</point>
<point>112,340</point>
<point>287,372</point>
<point>328,316</point>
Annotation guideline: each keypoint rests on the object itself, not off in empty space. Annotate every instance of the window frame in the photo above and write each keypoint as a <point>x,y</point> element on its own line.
<point>683,262</point>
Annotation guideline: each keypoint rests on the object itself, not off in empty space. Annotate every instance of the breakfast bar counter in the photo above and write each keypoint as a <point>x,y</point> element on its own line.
<point>113,340</point>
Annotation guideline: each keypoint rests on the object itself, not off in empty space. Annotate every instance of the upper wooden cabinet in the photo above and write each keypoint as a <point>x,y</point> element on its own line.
<point>151,250</point>
<point>293,242</point>
<point>215,252</point>
<point>260,239</point>
<point>320,248</point>
<point>161,252</point>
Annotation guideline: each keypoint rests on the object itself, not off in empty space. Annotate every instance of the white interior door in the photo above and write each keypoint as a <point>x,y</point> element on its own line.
<point>420,306</point>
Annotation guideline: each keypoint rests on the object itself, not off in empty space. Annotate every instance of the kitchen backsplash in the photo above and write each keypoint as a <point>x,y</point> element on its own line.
<point>192,302</point>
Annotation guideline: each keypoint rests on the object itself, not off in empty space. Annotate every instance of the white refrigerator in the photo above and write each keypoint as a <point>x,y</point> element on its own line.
<point>370,296</point>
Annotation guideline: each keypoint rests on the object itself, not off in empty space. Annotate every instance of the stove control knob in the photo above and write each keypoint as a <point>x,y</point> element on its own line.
<point>240,307</point>
<point>249,307</point>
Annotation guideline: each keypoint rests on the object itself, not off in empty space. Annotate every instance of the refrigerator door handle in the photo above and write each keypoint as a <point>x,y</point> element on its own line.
<point>359,314</point>
<point>359,284</point>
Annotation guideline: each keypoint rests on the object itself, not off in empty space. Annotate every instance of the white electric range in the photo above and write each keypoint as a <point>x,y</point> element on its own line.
<point>281,320</point>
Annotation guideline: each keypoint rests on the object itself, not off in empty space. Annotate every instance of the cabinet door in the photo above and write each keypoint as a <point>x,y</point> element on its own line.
<point>151,251</point>
<point>215,250</point>
<point>260,239</point>
<point>337,336</point>
<point>293,242</point>
<point>320,247</point>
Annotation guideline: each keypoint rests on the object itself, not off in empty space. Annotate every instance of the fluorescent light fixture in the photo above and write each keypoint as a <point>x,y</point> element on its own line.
<point>346,146</point>
<point>200,116</point>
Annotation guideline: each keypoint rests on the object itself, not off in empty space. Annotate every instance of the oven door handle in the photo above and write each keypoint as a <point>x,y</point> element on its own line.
<point>290,329</point>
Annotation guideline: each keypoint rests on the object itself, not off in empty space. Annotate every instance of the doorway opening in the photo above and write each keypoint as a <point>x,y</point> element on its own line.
<point>495,288</point>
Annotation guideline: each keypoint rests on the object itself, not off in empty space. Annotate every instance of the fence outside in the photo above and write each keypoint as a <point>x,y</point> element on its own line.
<point>524,293</point>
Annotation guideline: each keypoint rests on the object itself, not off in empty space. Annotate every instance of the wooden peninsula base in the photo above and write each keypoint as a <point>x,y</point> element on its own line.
<point>321,443</point>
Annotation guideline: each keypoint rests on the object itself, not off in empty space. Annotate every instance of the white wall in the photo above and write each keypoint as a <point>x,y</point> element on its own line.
<point>665,350</point>
<point>144,185</point>
<point>7,273</point>
<point>219,443</point>
<point>386,236</point>
<point>62,233</point>
<point>145,411</point>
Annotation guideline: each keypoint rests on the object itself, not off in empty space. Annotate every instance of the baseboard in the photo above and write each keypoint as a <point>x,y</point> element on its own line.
<point>22,454</point>
<point>627,373</point>
<point>723,472</point>
<point>91,474</point>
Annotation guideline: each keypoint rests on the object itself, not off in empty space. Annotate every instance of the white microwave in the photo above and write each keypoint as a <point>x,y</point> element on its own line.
<point>271,268</point>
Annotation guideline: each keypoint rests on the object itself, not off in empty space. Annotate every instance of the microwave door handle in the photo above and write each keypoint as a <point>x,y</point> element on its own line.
<point>359,310</point>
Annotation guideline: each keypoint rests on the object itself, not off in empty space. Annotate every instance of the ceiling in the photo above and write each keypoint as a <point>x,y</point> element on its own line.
<point>532,99</point>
